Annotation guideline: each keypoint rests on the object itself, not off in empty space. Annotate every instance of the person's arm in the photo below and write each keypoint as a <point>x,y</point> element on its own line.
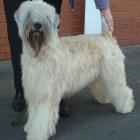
<point>104,7</point>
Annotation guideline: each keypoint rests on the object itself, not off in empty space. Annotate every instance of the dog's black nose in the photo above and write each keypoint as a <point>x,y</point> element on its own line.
<point>37,25</point>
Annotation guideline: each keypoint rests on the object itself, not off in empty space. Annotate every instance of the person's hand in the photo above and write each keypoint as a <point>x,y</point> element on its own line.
<point>106,13</point>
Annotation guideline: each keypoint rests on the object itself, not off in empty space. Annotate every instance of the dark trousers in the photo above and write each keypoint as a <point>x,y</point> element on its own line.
<point>15,43</point>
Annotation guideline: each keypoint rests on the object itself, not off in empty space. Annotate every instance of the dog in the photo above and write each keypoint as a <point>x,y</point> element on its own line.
<point>55,67</point>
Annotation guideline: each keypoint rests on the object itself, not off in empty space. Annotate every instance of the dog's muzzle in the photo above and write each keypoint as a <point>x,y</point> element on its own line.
<point>36,36</point>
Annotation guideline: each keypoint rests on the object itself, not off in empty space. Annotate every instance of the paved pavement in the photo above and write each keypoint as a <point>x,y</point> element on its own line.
<point>88,120</point>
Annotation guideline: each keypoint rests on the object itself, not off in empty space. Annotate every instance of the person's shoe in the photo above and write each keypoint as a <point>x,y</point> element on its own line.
<point>18,103</point>
<point>64,111</point>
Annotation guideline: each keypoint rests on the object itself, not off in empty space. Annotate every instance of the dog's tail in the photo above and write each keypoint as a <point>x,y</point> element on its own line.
<point>105,31</point>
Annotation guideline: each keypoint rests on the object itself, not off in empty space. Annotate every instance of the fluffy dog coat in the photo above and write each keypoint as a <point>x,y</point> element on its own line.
<point>55,67</point>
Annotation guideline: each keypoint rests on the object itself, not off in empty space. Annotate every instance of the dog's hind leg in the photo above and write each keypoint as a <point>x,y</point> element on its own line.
<point>113,74</point>
<point>44,122</point>
<point>99,91</point>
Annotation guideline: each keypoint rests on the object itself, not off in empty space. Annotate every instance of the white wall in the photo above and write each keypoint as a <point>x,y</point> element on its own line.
<point>92,18</point>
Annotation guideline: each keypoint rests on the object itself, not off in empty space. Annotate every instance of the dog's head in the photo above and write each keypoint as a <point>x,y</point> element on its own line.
<point>37,22</point>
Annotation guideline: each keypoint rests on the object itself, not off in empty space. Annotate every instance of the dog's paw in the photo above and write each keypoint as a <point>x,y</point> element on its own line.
<point>127,107</point>
<point>126,104</point>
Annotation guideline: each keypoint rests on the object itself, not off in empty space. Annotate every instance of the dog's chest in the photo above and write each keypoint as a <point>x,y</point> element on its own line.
<point>39,75</point>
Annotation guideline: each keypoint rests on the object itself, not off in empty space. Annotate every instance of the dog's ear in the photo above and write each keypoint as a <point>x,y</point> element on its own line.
<point>56,21</point>
<point>16,16</point>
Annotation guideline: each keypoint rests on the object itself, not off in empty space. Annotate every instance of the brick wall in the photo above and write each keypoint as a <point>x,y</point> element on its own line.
<point>72,22</point>
<point>126,15</point>
<point>4,46</point>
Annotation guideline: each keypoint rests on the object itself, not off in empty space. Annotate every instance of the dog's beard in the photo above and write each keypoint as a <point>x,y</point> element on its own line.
<point>36,40</point>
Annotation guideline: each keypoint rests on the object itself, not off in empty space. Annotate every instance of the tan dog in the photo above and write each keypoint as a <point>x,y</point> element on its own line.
<point>54,67</point>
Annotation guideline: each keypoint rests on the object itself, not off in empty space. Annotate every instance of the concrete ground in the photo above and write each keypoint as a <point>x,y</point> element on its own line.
<point>88,120</point>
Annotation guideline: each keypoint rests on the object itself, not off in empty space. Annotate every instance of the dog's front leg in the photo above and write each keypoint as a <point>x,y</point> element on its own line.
<point>31,114</point>
<point>44,121</point>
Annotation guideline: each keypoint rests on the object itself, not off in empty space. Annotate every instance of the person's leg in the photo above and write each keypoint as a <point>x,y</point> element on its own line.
<point>18,103</point>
